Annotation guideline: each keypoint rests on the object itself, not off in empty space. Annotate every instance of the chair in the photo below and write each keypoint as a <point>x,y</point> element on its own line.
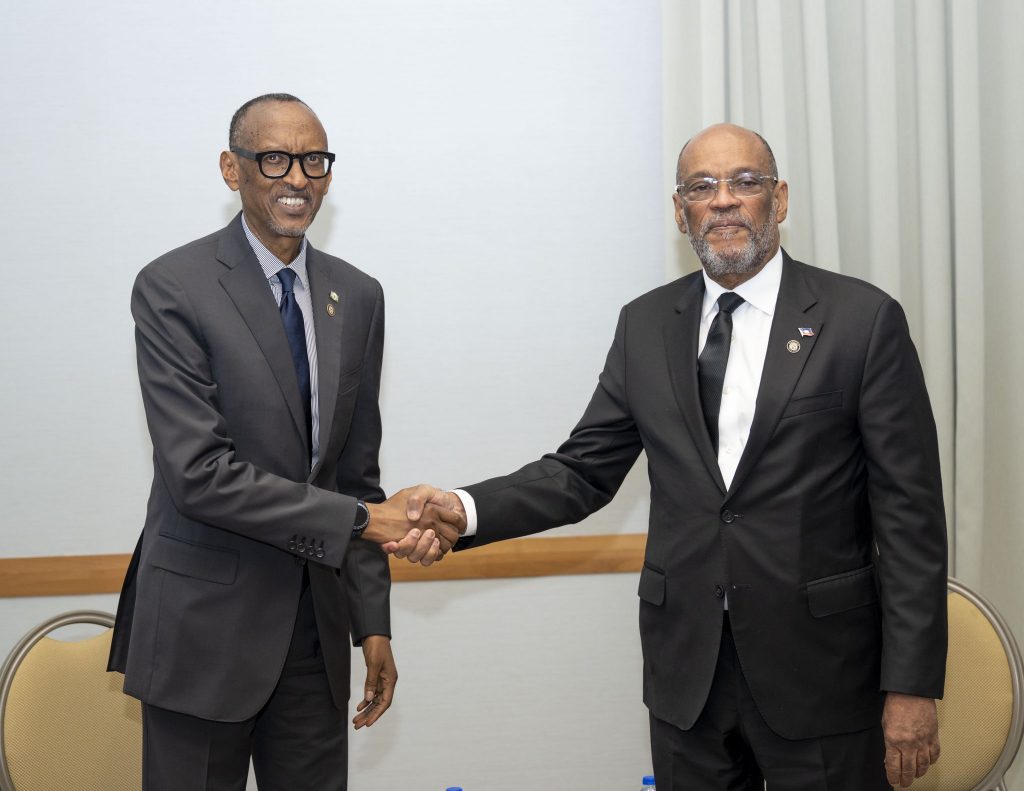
<point>980,717</point>
<point>64,721</point>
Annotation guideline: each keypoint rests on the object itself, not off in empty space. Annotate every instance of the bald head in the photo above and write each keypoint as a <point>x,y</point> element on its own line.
<point>729,132</point>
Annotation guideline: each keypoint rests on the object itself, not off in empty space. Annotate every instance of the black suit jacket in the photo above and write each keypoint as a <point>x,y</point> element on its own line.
<point>209,602</point>
<point>841,458</point>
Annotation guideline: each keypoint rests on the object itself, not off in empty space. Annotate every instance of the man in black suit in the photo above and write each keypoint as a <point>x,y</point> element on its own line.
<point>260,362</point>
<point>792,598</point>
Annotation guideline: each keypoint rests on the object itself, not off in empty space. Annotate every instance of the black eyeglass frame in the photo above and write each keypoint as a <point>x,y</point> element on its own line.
<point>257,157</point>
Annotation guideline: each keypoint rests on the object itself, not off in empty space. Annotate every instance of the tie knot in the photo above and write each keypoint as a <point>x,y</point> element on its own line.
<point>287,278</point>
<point>729,301</point>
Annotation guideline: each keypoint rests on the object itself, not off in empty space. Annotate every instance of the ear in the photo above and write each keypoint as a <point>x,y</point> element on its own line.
<point>781,201</point>
<point>680,218</point>
<point>229,170</point>
<point>327,181</point>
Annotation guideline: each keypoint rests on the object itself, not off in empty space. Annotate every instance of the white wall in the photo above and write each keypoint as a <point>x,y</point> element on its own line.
<point>499,170</point>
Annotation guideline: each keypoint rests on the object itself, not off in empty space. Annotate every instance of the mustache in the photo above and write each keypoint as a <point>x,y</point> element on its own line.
<point>294,192</point>
<point>724,219</point>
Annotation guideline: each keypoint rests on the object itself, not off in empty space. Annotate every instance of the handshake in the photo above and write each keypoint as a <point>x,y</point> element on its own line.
<point>420,523</point>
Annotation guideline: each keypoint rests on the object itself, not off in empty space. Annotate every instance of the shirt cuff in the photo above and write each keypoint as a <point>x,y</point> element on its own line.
<point>469,506</point>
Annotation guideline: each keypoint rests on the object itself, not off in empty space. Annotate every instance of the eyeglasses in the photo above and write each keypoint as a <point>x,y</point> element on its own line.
<point>277,164</point>
<point>744,185</point>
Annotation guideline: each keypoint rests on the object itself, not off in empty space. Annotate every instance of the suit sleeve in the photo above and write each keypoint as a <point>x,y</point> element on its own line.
<point>581,477</point>
<point>366,565</point>
<point>908,517</point>
<point>194,454</point>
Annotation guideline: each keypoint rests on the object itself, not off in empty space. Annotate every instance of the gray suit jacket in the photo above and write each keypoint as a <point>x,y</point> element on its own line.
<point>234,513</point>
<point>841,458</point>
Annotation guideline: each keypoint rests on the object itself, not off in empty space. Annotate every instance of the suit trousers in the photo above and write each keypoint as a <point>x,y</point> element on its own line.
<point>731,747</point>
<point>297,742</point>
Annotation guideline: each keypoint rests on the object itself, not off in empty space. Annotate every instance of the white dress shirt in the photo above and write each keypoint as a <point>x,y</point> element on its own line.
<point>751,326</point>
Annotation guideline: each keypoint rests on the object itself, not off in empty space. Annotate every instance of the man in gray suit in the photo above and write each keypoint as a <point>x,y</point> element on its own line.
<point>259,363</point>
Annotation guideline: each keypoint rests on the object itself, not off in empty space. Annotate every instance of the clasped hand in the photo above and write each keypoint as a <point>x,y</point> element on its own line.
<point>421,523</point>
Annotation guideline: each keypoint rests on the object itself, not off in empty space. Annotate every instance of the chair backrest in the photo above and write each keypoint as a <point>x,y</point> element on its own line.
<point>980,718</point>
<point>64,721</point>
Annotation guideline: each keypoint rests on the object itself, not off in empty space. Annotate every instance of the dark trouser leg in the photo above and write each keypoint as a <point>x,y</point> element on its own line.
<point>300,742</point>
<point>712,755</point>
<point>731,747</point>
<point>185,753</point>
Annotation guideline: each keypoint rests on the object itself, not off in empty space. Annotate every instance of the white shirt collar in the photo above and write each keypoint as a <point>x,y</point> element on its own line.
<point>269,262</point>
<point>761,291</point>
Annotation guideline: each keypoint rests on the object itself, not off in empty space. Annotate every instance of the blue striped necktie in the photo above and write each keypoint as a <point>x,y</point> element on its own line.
<point>713,360</point>
<point>295,330</point>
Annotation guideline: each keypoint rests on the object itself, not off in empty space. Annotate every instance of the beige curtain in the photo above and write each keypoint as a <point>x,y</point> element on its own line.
<point>900,128</point>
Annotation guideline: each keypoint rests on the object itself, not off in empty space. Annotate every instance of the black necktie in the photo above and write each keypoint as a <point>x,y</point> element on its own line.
<point>712,362</point>
<point>295,330</point>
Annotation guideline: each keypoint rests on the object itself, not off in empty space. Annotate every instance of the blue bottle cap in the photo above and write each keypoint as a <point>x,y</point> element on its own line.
<point>648,780</point>
<point>453,788</point>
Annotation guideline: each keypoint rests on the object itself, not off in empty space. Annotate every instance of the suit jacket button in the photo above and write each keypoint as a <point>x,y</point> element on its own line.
<point>311,551</point>
<point>319,552</point>
<point>728,516</point>
<point>291,544</point>
<point>719,592</point>
<point>302,546</point>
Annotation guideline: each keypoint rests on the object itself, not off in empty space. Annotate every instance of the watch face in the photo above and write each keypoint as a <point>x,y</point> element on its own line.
<point>362,517</point>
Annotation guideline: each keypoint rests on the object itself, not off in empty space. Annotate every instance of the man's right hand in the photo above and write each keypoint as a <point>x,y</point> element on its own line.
<point>431,532</point>
<point>422,500</point>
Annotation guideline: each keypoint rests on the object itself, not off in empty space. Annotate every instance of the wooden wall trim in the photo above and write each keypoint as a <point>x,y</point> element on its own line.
<point>71,575</point>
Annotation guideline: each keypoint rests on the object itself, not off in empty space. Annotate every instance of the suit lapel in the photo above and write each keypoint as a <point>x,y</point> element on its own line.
<point>796,307</point>
<point>331,318</point>
<point>247,286</point>
<point>681,334</point>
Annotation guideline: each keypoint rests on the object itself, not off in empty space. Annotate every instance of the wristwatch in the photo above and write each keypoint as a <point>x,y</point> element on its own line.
<point>362,519</point>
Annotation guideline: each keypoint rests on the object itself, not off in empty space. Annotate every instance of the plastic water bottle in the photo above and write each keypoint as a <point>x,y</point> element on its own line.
<point>648,783</point>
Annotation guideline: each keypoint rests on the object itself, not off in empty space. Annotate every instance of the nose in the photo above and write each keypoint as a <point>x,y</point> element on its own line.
<point>724,199</point>
<point>295,177</point>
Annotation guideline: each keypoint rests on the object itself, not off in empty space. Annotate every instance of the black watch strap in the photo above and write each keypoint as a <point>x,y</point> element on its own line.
<point>362,519</point>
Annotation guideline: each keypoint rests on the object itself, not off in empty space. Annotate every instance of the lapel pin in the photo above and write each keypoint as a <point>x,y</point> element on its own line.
<point>792,346</point>
<point>330,310</point>
<point>806,332</point>
<point>334,296</point>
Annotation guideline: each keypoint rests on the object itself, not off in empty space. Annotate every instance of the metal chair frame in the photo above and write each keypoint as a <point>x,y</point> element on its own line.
<point>17,656</point>
<point>995,779</point>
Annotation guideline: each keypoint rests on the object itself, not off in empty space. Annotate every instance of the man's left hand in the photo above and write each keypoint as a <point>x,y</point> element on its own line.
<point>911,729</point>
<point>381,677</point>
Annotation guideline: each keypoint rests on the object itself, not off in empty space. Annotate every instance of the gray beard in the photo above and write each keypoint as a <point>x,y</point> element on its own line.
<point>760,243</point>
<point>280,230</point>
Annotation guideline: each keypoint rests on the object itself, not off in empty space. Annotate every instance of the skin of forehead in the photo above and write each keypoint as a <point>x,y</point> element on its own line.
<point>722,149</point>
<point>271,123</point>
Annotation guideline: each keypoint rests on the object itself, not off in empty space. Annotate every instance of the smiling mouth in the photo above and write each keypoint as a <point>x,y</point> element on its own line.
<point>292,202</point>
